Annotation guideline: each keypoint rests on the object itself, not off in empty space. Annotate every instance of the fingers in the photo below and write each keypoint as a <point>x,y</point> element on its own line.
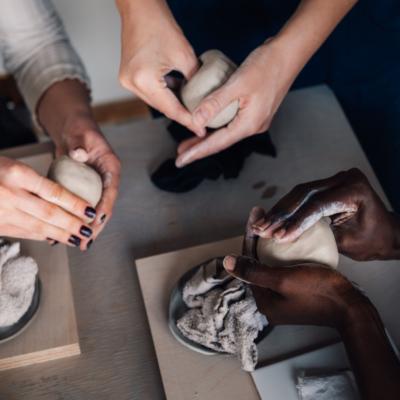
<point>319,206</point>
<point>187,144</point>
<point>250,239</point>
<point>214,103</point>
<point>52,214</point>
<point>253,272</point>
<point>23,177</point>
<point>214,143</point>
<point>41,230</point>
<point>164,100</point>
<point>304,205</point>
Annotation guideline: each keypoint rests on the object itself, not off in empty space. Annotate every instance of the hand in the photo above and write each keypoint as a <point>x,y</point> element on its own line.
<point>33,207</point>
<point>308,294</point>
<point>260,84</point>
<point>364,229</point>
<point>64,112</point>
<point>152,46</point>
<point>82,140</point>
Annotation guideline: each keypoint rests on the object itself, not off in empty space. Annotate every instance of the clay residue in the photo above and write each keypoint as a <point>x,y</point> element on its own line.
<point>259,185</point>
<point>269,192</point>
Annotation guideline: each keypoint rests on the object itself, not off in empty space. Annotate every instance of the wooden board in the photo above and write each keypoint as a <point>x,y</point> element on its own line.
<point>53,333</point>
<point>187,374</point>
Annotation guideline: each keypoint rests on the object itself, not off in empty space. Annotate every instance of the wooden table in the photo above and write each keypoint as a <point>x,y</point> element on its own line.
<point>314,140</point>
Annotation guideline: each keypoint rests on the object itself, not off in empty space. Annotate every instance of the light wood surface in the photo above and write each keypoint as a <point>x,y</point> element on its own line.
<point>52,333</point>
<point>118,361</point>
<point>186,374</point>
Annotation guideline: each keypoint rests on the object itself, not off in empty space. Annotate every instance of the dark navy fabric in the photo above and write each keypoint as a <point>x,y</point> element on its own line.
<point>360,62</point>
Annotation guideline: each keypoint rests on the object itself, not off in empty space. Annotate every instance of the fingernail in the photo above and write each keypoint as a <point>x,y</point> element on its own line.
<point>85,231</point>
<point>90,212</point>
<point>90,242</point>
<point>183,160</point>
<point>54,243</point>
<point>103,218</point>
<point>229,263</point>
<point>74,240</point>
<point>200,117</point>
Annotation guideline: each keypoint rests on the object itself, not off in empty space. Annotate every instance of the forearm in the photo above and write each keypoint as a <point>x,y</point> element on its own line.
<point>64,104</point>
<point>136,13</point>
<point>308,28</point>
<point>374,363</point>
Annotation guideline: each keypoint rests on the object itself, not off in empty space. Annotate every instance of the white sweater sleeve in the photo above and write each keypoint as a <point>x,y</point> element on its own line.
<point>36,49</point>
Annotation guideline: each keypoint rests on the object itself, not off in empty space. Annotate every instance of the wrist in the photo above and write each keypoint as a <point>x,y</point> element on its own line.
<point>359,315</point>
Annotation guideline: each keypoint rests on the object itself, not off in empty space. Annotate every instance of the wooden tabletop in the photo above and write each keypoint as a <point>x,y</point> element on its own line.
<point>313,139</point>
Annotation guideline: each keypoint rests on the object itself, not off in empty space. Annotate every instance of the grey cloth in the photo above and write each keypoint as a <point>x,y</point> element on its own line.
<point>222,314</point>
<point>17,283</point>
<point>337,386</point>
<point>36,48</point>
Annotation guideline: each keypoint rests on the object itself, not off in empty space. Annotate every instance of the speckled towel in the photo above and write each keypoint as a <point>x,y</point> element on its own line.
<point>223,315</point>
<point>17,283</point>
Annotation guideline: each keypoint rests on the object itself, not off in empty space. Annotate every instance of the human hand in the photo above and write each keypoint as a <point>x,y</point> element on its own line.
<point>259,85</point>
<point>364,229</point>
<point>152,46</point>
<point>308,294</point>
<point>36,208</point>
<point>82,140</point>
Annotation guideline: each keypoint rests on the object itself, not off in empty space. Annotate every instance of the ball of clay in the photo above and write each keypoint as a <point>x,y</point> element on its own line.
<point>317,244</point>
<point>78,178</point>
<point>215,71</point>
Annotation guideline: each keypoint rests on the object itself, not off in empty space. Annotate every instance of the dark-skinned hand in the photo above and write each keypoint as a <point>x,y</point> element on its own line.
<point>364,228</point>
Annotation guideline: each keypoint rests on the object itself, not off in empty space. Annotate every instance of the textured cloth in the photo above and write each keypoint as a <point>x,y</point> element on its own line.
<point>222,313</point>
<point>36,49</point>
<point>227,163</point>
<point>339,386</point>
<point>17,283</point>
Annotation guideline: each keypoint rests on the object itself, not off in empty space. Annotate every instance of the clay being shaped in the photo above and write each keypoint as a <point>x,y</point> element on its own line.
<point>19,290</point>
<point>215,71</point>
<point>317,244</point>
<point>78,178</point>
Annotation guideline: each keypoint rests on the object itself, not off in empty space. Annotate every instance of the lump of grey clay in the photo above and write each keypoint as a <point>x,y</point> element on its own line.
<point>215,71</point>
<point>317,245</point>
<point>78,178</point>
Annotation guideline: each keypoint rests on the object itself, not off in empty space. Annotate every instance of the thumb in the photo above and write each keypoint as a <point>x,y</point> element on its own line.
<point>213,104</point>
<point>249,270</point>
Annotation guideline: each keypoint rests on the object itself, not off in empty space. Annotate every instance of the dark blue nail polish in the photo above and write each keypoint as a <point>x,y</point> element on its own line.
<point>74,240</point>
<point>103,218</point>
<point>54,243</point>
<point>85,231</point>
<point>90,242</point>
<point>90,212</point>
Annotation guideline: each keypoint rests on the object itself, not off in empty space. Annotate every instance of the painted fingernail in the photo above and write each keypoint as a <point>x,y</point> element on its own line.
<point>90,242</point>
<point>54,243</point>
<point>230,263</point>
<point>74,240</point>
<point>90,212</point>
<point>85,231</point>
<point>103,218</point>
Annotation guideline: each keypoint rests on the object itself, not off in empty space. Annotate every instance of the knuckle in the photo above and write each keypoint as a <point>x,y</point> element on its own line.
<point>50,212</point>
<point>15,172</point>
<point>55,192</point>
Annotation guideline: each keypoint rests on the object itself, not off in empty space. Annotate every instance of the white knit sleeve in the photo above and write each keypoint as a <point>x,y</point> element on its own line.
<point>36,49</point>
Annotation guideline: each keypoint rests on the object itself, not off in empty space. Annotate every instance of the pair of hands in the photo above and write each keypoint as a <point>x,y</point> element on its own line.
<point>312,294</point>
<point>259,84</point>
<point>34,207</point>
